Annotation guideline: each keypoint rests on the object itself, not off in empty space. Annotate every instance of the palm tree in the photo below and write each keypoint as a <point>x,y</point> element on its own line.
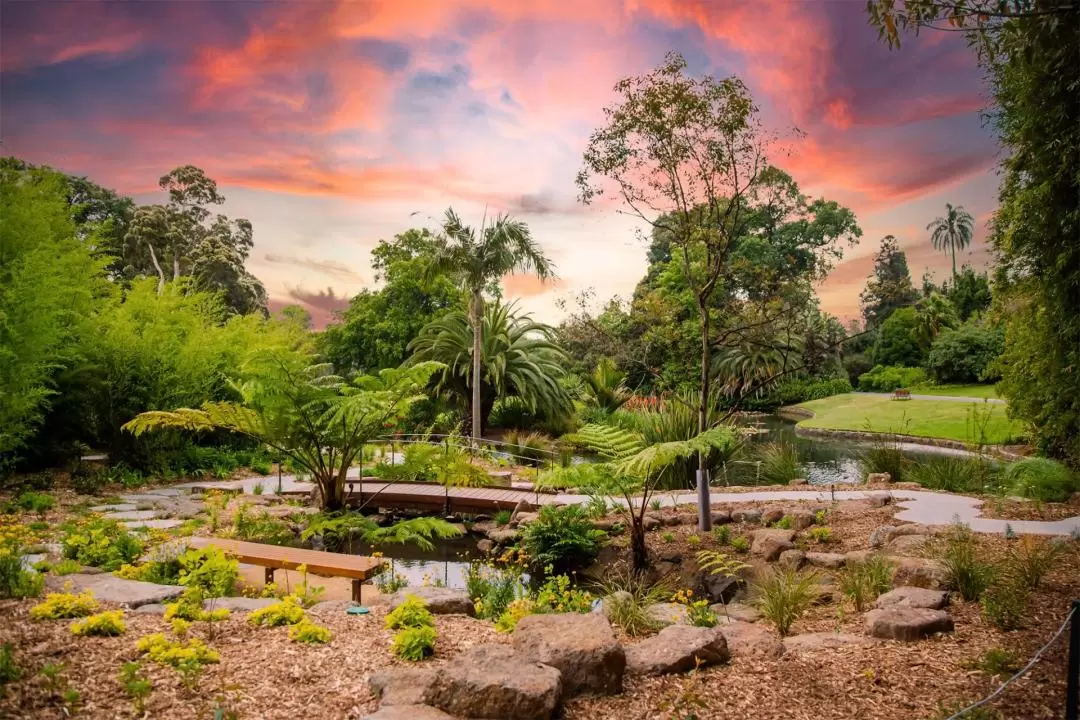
<point>952,231</point>
<point>477,260</point>
<point>932,315</point>
<point>519,357</point>
<point>606,386</point>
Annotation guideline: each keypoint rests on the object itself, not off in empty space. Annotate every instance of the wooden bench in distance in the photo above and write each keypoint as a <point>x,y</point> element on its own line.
<point>274,557</point>
<point>901,394</point>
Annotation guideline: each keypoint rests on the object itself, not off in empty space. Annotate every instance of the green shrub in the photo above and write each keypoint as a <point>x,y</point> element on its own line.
<point>627,596</point>
<point>502,517</point>
<point>885,456</point>
<point>9,668</point>
<point>562,537</point>
<point>1005,603</point>
<point>102,543</point>
<point>581,475</point>
<point>529,448</point>
<point>65,567</point>
<point>722,534</point>
<point>414,643</point>
<point>698,611</point>
<point>965,354</point>
<point>557,595</point>
<point>62,606</point>
<point>1031,559</point>
<point>785,523</point>
<point>965,571</point>
<point>518,609</point>
<point>286,612</point>
<point>189,658</point>
<point>412,613</point>
<point>955,474</point>
<point>31,501</point>
<point>308,632</point>
<point>136,685</point>
<point>491,589</point>
<point>15,580</point>
<point>897,343</point>
<point>1040,479</point>
<point>864,582</point>
<point>778,463</point>
<point>997,661</point>
<point>821,535</point>
<point>104,624</point>
<point>189,606</point>
<point>210,570</point>
<point>793,392</point>
<point>740,544</point>
<point>783,595</point>
<point>886,378</point>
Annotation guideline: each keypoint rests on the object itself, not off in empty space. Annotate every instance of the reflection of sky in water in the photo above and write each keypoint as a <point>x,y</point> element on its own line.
<point>431,572</point>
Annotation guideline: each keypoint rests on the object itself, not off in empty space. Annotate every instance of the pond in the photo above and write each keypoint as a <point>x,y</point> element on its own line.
<point>446,564</point>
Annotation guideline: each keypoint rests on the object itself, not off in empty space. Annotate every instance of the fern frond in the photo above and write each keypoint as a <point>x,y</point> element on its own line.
<point>718,563</point>
<point>417,531</point>
<point>611,442</point>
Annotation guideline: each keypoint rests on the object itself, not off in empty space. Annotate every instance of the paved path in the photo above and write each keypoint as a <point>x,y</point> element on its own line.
<point>919,506</point>
<point>950,398</point>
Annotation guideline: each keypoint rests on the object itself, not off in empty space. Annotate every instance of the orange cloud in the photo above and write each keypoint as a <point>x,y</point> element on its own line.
<point>523,285</point>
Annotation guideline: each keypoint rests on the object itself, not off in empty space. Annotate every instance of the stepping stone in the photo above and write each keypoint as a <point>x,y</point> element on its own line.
<point>668,614</point>
<point>809,642</point>
<point>749,640</point>
<point>137,499</point>
<point>125,507</point>
<point>408,712</point>
<point>160,524</point>
<point>906,623</point>
<point>111,589</point>
<point>914,597</point>
<point>581,647</point>
<point>132,515</point>
<point>677,649</point>
<point>440,601</point>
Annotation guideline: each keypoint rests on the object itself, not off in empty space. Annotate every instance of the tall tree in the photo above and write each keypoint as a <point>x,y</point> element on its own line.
<point>478,259</point>
<point>969,292</point>
<point>890,288</point>
<point>1029,52</point>
<point>952,231</point>
<point>687,156</point>
<point>932,315</point>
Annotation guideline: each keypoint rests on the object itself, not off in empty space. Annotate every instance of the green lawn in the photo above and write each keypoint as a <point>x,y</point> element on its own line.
<point>925,418</point>
<point>973,391</point>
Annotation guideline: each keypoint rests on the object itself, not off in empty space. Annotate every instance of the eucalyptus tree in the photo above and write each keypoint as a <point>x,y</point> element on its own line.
<point>952,231</point>
<point>477,259</point>
<point>519,357</point>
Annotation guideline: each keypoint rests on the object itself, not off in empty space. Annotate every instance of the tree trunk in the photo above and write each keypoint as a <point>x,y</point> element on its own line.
<point>954,265</point>
<point>332,487</point>
<point>704,505</point>
<point>157,266</point>
<point>638,552</point>
<point>477,309</point>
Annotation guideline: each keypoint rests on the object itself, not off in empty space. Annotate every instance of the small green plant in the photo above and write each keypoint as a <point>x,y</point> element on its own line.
<point>997,661</point>
<point>502,517</point>
<point>180,626</point>
<point>627,597</point>
<point>65,567</point>
<point>285,612</point>
<point>31,501</point>
<point>189,658</point>
<point>1005,603</point>
<point>783,595</point>
<point>102,543</point>
<point>667,537</point>
<point>563,537</point>
<point>210,570</point>
<point>865,581</point>
<point>513,614</point>
<point>596,506</point>
<point>308,632</point>
<point>778,463</point>
<point>412,613</point>
<point>257,489</point>
<point>104,624</point>
<point>189,606</point>
<point>259,526</point>
<point>821,517</point>
<point>63,606</point>
<point>656,504</point>
<point>740,544</point>
<point>15,580</point>
<point>491,589</point>
<point>821,535</point>
<point>557,595</point>
<point>722,533</point>
<point>698,610</point>
<point>390,582</point>
<point>1031,559</point>
<point>136,684</point>
<point>718,563</point>
<point>414,643</point>
<point>9,668</point>
<point>965,571</point>
<point>785,523</point>
<point>693,539</point>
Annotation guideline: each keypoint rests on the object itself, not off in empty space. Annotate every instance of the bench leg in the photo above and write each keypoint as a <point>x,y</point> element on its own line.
<point>356,585</point>
<point>268,576</point>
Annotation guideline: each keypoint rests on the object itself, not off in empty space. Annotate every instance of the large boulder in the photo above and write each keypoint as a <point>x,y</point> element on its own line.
<point>111,589</point>
<point>792,559</point>
<point>750,516</point>
<point>716,587</point>
<point>406,686</point>
<point>905,544</point>
<point>750,640</point>
<point>768,544</point>
<point>771,516</point>
<point>720,517</point>
<point>439,600</point>
<point>408,712</point>
<point>493,681</point>
<point>581,647</point>
<point>503,536</point>
<point>907,623</point>
<point>802,519</point>
<point>884,534</point>
<point>676,649</point>
<point>915,572</point>
<point>831,561</point>
<point>914,597</point>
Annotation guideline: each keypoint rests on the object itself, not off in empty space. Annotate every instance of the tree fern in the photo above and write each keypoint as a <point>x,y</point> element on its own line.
<point>417,531</point>
<point>610,442</point>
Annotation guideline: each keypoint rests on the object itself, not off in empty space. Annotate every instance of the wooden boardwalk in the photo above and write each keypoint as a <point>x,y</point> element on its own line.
<point>274,557</point>
<point>429,496</point>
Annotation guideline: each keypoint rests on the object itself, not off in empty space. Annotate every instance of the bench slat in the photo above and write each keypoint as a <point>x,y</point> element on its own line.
<point>357,567</point>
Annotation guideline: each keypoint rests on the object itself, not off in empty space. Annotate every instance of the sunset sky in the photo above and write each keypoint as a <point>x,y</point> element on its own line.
<point>331,125</point>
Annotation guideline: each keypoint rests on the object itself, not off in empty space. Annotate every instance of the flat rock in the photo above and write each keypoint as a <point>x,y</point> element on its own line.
<point>736,612</point>
<point>907,544</point>
<point>917,572</point>
<point>914,597</point>
<point>123,507</point>
<point>768,544</point>
<point>772,516</point>
<point>878,478</point>
<point>668,614</point>
<point>149,609</point>
<point>156,524</point>
<point>831,561</point>
<point>650,522</point>
<point>408,712</point>
<point>238,604</point>
<point>677,649</point>
<point>809,642</point>
<point>907,623</point>
<point>752,640</point>
<point>581,647</point>
<point>503,536</point>
<point>439,600</point>
<point>721,517</point>
<point>485,546</point>
<point>493,681</point>
<point>111,589</point>
<point>883,534</point>
<point>879,499</point>
<point>132,515</point>
<point>801,519</point>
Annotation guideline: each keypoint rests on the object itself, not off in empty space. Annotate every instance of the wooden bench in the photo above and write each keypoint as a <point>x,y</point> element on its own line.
<point>901,394</point>
<point>274,557</point>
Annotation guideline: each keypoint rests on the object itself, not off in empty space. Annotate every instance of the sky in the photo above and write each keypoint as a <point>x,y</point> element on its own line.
<point>332,124</point>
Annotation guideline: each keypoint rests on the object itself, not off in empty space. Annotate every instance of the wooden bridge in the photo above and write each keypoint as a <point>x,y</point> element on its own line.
<point>372,493</point>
